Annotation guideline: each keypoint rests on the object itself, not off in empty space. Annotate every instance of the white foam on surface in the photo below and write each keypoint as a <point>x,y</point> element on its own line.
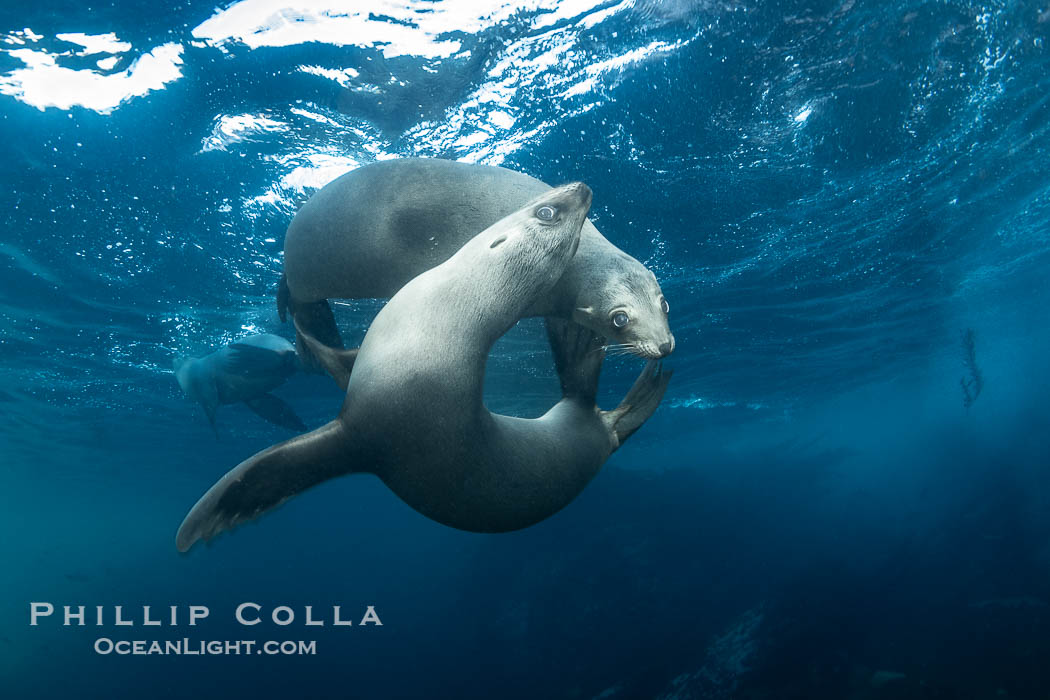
<point>44,83</point>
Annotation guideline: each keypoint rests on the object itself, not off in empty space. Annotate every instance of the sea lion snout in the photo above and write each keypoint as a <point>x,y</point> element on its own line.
<point>583,192</point>
<point>652,349</point>
<point>577,196</point>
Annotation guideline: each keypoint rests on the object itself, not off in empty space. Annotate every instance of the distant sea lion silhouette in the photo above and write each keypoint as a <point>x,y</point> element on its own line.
<point>414,415</point>
<point>244,371</point>
<point>370,231</point>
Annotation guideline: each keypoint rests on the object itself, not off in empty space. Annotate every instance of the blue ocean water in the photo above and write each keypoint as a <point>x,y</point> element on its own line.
<point>832,193</point>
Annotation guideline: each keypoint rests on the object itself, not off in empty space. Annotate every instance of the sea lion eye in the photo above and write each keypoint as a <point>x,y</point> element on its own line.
<point>665,306</point>
<point>620,319</point>
<point>545,213</point>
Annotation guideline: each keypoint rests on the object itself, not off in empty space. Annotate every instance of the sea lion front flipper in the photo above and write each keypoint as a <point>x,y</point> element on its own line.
<point>640,403</point>
<point>245,359</point>
<point>277,411</point>
<point>338,362</point>
<point>267,480</point>
<point>578,357</point>
<point>209,400</point>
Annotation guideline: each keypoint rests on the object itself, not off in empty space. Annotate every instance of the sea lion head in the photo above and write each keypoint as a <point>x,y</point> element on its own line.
<point>532,247</point>
<point>625,304</point>
<point>184,367</point>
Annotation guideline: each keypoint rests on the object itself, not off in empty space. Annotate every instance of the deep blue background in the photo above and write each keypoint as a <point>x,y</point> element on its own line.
<point>811,506</point>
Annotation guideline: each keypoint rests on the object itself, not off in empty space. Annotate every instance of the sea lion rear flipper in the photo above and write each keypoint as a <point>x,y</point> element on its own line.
<point>284,298</point>
<point>267,480</point>
<point>640,403</point>
<point>313,319</point>
<point>338,362</point>
<point>276,411</point>
<point>578,357</point>
<point>317,322</point>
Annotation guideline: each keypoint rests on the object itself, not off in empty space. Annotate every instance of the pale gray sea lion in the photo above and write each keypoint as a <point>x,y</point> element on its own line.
<point>244,371</point>
<point>370,231</point>
<point>413,413</point>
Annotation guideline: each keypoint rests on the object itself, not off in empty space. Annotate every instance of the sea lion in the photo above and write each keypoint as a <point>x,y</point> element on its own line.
<point>413,413</point>
<point>244,371</point>
<point>370,231</point>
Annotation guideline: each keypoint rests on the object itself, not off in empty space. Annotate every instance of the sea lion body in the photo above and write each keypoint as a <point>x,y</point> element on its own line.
<point>242,372</point>
<point>370,231</point>
<point>471,469</point>
<point>414,414</point>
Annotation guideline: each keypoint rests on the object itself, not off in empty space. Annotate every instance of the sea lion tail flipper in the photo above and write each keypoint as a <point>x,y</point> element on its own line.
<point>578,357</point>
<point>640,403</point>
<point>277,411</point>
<point>267,480</point>
<point>338,362</point>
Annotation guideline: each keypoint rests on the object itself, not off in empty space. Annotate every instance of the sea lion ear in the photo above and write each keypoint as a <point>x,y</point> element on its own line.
<point>583,314</point>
